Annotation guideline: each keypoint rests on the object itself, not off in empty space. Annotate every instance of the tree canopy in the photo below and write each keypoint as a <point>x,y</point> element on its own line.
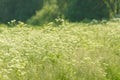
<point>18,9</point>
<point>40,11</point>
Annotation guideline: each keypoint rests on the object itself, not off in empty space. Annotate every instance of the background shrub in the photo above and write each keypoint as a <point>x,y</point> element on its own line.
<point>48,13</point>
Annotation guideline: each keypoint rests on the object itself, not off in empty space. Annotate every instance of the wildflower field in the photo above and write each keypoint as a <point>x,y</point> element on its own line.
<point>70,51</point>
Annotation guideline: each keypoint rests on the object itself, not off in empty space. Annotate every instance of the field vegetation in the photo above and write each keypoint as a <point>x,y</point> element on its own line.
<point>59,39</point>
<point>60,50</point>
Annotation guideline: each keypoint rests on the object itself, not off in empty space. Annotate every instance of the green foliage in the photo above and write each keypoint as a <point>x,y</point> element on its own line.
<point>113,7</point>
<point>75,10</point>
<point>18,9</point>
<point>63,5</point>
<point>74,51</point>
<point>81,9</point>
<point>48,13</point>
<point>44,11</point>
<point>52,9</point>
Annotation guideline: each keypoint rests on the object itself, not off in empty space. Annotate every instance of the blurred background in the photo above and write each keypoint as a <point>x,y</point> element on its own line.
<point>38,12</point>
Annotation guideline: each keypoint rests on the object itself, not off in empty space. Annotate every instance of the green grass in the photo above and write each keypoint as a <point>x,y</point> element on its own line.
<point>72,51</point>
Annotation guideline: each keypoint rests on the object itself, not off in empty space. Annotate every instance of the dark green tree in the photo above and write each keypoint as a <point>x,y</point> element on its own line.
<point>18,9</point>
<point>48,10</point>
<point>113,7</point>
<point>81,9</point>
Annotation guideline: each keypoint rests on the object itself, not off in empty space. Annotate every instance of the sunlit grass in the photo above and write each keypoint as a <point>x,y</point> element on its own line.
<point>72,51</point>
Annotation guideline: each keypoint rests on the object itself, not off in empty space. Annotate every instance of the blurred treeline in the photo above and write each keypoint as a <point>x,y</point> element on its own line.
<point>43,11</point>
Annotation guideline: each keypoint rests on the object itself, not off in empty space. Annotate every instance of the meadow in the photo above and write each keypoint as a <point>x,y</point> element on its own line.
<point>60,51</point>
